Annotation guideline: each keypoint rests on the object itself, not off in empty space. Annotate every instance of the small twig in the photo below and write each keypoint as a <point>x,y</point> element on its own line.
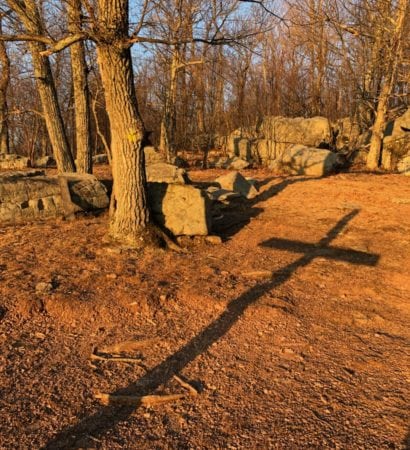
<point>192,391</point>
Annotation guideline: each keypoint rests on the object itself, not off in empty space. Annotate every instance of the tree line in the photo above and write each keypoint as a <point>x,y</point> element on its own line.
<point>79,77</point>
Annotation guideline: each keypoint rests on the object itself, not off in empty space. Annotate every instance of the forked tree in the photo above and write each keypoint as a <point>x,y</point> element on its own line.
<point>30,16</point>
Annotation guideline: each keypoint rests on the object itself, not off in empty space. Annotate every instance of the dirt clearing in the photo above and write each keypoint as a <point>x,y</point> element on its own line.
<point>294,331</point>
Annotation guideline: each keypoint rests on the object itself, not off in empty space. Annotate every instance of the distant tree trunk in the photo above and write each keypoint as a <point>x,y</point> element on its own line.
<point>4,83</point>
<point>130,215</point>
<point>31,19</point>
<point>168,123</point>
<point>81,93</point>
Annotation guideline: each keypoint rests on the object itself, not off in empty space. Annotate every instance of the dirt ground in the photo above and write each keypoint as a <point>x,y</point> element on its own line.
<point>294,330</point>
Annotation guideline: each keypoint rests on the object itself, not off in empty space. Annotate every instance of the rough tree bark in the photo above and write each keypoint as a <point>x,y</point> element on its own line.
<point>4,83</point>
<point>129,222</point>
<point>30,17</point>
<point>393,54</point>
<point>81,92</point>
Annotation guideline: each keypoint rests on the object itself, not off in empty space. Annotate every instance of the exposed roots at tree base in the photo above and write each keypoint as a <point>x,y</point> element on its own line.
<point>152,236</point>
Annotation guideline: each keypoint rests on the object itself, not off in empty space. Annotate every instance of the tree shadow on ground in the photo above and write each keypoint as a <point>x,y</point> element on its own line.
<point>91,427</point>
<point>406,442</point>
<point>239,212</point>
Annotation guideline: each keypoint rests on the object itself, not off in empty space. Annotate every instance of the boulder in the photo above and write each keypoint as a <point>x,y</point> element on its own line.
<point>102,158</point>
<point>399,126</point>
<point>182,209</point>
<point>166,173</point>
<point>153,156</point>
<point>28,196</point>
<point>404,166</point>
<point>221,195</point>
<point>44,162</point>
<point>233,163</point>
<point>311,132</point>
<point>236,164</point>
<point>244,149</point>
<point>14,162</point>
<point>234,181</point>
<point>264,151</point>
<point>301,160</point>
<point>86,192</point>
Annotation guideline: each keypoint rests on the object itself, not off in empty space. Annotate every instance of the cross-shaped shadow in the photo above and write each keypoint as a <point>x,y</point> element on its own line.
<point>108,416</point>
<point>323,249</point>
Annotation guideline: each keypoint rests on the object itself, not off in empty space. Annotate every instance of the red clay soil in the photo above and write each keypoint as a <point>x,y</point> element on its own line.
<point>294,330</point>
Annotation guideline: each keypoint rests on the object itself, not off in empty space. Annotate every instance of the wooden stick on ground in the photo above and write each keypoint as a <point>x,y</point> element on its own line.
<point>134,400</point>
<point>192,391</point>
<point>115,359</point>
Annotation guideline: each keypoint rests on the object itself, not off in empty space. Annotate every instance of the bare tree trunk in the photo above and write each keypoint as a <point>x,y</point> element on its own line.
<point>4,83</point>
<point>393,55</point>
<point>130,215</point>
<point>376,141</point>
<point>31,19</point>
<point>81,92</point>
<point>168,123</point>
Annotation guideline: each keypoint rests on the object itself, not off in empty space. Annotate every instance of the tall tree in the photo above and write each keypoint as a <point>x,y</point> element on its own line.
<point>30,16</point>
<point>4,83</point>
<point>130,218</point>
<point>80,91</point>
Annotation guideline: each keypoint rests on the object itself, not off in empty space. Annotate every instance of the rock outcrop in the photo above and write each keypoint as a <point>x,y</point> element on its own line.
<point>28,196</point>
<point>14,162</point>
<point>302,160</point>
<point>182,209</point>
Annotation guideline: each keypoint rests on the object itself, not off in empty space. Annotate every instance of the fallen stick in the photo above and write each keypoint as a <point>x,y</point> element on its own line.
<point>258,274</point>
<point>192,391</point>
<point>134,400</point>
<point>115,359</point>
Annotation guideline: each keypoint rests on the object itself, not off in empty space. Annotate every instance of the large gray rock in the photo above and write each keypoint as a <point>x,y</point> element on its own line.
<point>301,160</point>
<point>14,162</point>
<point>162,172</point>
<point>404,166</point>
<point>153,156</point>
<point>398,127</point>
<point>44,162</point>
<point>311,132</point>
<point>263,151</point>
<point>182,209</point>
<point>235,182</point>
<point>244,149</point>
<point>28,196</point>
<point>86,192</point>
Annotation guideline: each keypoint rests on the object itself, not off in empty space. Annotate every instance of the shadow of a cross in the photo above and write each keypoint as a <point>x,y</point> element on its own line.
<point>323,249</point>
<point>106,417</point>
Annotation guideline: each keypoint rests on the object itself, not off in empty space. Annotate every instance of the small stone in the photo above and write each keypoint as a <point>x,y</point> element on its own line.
<point>39,335</point>
<point>111,276</point>
<point>43,287</point>
<point>214,240</point>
